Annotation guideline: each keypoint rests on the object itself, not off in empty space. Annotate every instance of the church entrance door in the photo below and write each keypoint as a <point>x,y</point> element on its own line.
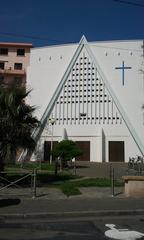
<point>116,151</point>
<point>85,147</point>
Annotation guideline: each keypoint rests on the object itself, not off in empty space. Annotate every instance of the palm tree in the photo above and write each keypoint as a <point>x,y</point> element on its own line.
<point>16,123</point>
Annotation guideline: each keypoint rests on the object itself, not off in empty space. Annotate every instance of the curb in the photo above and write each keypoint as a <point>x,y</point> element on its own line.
<point>104,213</point>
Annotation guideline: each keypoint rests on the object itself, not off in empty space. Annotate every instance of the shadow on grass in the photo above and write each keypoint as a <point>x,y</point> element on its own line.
<point>42,178</point>
<point>9,201</point>
<point>52,179</point>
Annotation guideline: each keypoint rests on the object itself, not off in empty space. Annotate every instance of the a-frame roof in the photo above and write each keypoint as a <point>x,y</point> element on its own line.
<point>84,44</point>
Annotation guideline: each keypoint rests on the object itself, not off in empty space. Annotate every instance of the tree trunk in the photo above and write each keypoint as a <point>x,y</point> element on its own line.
<point>56,166</point>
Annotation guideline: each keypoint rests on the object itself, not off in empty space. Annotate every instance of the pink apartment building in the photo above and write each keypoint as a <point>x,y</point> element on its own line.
<point>14,60</point>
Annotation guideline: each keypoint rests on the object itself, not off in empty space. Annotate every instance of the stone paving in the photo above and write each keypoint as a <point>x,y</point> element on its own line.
<point>101,170</point>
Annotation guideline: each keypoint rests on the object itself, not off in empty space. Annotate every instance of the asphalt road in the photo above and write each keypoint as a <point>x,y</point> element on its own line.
<point>86,228</point>
<point>59,206</point>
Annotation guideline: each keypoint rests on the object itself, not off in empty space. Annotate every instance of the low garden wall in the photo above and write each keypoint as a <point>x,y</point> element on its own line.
<point>134,186</point>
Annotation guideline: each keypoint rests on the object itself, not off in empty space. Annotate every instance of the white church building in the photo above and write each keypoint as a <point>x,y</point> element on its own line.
<point>91,93</point>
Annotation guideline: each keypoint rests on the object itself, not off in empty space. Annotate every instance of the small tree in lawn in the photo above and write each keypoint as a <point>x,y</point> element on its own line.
<point>16,123</point>
<point>66,150</point>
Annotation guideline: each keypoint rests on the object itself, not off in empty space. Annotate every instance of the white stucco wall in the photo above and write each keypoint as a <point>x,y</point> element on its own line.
<point>47,66</point>
<point>131,95</point>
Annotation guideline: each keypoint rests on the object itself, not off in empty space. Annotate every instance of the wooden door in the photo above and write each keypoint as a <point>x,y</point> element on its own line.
<point>116,151</point>
<point>85,146</point>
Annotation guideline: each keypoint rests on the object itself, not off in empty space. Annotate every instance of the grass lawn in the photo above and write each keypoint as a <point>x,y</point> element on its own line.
<point>45,175</point>
<point>72,187</point>
<point>29,166</point>
<point>68,183</point>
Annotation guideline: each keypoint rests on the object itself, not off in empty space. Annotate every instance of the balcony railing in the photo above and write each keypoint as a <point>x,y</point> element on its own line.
<point>10,71</point>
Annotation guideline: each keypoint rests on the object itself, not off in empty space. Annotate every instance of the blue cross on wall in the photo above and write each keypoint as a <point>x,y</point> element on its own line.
<point>123,69</point>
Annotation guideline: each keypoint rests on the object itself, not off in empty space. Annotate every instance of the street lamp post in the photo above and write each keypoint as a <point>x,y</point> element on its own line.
<point>52,121</point>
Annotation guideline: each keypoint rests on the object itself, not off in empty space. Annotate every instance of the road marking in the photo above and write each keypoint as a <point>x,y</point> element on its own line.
<point>122,234</point>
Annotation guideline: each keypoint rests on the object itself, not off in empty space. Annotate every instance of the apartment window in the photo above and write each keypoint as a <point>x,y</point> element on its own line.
<point>3,51</point>
<point>18,80</point>
<point>1,65</point>
<point>20,52</point>
<point>18,66</point>
<point>1,80</point>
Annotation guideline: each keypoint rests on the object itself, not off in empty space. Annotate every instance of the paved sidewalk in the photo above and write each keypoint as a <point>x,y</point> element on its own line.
<point>51,193</point>
<point>51,202</point>
<point>73,207</point>
<point>93,201</point>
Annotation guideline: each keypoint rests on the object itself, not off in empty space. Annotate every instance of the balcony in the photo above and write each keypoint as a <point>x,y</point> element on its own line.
<point>10,71</point>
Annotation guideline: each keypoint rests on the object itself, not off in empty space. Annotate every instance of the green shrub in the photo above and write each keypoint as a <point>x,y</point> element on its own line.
<point>70,189</point>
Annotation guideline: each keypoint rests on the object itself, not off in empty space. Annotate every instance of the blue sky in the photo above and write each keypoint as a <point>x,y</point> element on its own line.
<point>65,21</point>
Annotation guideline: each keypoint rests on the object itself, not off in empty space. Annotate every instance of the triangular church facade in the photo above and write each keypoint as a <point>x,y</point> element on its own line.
<point>91,93</point>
